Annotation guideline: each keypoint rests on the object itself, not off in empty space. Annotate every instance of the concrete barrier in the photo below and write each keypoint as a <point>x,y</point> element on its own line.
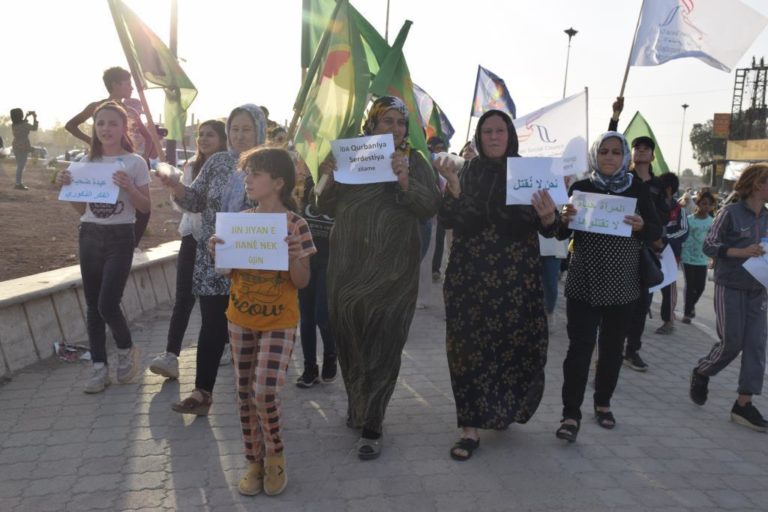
<point>38,310</point>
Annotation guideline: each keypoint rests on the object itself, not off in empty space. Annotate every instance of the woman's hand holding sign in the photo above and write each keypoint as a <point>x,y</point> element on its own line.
<point>400,168</point>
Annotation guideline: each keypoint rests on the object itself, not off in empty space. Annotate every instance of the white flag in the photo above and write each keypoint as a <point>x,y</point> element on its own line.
<point>717,32</point>
<point>557,130</point>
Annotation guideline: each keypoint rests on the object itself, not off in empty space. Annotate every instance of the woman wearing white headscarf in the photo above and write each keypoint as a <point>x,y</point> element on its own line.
<point>603,283</point>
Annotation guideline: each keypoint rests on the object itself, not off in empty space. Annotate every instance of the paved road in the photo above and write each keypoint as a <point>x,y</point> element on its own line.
<point>126,450</point>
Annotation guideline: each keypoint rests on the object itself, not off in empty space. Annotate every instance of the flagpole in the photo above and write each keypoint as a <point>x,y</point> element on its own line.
<point>472,109</point>
<point>631,49</point>
<point>170,144</point>
<point>139,84</point>
<point>386,27</point>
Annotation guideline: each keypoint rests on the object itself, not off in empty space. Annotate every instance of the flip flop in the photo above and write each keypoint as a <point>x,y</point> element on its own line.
<point>466,444</point>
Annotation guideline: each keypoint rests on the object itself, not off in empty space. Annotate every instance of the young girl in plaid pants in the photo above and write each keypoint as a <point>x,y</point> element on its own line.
<point>263,314</point>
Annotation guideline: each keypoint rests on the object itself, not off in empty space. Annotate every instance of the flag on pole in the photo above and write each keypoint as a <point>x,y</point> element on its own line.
<point>433,119</point>
<point>491,93</point>
<point>394,79</point>
<point>154,66</point>
<point>638,127</point>
<point>557,130</point>
<point>717,32</point>
<point>335,92</point>
<point>314,19</point>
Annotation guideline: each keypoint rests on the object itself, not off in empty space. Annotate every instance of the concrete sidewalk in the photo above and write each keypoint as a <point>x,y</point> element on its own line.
<point>126,450</point>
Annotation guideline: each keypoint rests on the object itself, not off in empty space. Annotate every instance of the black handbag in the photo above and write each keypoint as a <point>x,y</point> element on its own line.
<point>650,268</point>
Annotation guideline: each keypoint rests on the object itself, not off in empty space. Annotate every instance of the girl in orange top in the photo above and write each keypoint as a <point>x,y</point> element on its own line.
<point>263,314</point>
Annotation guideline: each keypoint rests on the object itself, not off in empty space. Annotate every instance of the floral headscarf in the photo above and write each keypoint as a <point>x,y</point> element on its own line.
<point>619,181</point>
<point>378,108</point>
<point>259,121</point>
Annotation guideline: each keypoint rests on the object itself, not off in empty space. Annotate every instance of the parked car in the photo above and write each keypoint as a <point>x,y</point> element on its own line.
<point>72,155</point>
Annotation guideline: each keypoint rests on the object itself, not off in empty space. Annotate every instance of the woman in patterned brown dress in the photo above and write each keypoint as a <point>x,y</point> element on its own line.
<point>496,324</point>
<point>373,271</point>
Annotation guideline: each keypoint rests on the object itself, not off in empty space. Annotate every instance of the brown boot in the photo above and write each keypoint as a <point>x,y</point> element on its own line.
<point>253,481</point>
<point>275,478</point>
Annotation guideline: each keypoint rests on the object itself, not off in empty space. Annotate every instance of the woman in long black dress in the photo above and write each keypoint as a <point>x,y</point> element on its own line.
<point>373,271</point>
<point>496,323</point>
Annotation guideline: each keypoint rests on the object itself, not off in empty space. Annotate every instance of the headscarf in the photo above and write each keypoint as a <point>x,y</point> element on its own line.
<point>259,121</point>
<point>619,181</point>
<point>377,110</point>
<point>512,143</point>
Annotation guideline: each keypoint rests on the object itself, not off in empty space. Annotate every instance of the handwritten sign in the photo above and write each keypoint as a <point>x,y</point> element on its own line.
<point>91,183</point>
<point>252,241</point>
<point>364,160</point>
<point>528,175</point>
<point>602,213</point>
<point>668,268</point>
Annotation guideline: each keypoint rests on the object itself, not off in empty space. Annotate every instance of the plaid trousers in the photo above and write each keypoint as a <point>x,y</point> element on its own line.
<point>260,360</point>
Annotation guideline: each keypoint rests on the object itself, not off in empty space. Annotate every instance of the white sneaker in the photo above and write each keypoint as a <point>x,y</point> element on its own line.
<point>226,356</point>
<point>166,364</point>
<point>127,364</point>
<point>98,380</point>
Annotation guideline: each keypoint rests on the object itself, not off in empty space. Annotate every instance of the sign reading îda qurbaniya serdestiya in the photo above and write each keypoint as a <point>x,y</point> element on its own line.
<point>364,160</point>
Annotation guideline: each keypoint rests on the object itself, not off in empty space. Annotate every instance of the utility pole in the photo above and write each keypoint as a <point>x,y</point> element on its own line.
<point>682,134</point>
<point>570,32</point>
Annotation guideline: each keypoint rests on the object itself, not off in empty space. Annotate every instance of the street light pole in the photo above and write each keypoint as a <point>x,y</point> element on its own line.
<point>570,32</point>
<point>682,134</point>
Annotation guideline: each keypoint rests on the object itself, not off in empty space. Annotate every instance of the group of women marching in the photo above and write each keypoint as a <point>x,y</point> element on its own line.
<point>496,327</point>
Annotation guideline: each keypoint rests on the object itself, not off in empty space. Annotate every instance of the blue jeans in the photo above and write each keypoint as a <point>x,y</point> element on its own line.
<point>550,274</point>
<point>313,305</point>
<point>106,255</point>
<point>21,162</point>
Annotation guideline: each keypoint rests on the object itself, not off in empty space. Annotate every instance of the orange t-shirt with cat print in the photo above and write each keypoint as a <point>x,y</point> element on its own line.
<point>267,300</point>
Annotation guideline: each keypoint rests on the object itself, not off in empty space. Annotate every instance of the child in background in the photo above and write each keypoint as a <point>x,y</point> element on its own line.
<point>106,244</point>
<point>262,345</point>
<point>740,299</point>
<point>693,258</point>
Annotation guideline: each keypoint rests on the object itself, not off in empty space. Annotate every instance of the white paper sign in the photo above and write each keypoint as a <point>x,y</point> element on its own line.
<point>602,213</point>
<point>553,247</point>
<point>525,176</point>
<point>758,267</point>
<point>91,183</point>
<point>668,268</point>
<point>364,160</point>
<point>252,241</point>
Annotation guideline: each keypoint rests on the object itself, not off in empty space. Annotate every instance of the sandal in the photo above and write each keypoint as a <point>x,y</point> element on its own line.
<point>192,405</point>
<point>368,449</point>
<point>466,444</point>
<point>567,431</point>
<point>605,419</point>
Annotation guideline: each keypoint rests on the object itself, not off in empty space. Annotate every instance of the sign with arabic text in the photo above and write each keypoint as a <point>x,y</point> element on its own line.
<point>91,183</point>
<point>602,213</point>
<point>525,176</point>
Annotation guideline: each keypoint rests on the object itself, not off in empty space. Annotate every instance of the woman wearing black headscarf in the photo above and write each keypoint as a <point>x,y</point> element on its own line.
<point>496,323</point>
<point>373,270</point>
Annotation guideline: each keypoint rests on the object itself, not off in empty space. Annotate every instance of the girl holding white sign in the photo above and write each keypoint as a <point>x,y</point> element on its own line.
<point>106,244</point>
<point>263,313</point>
<point>603,283</point>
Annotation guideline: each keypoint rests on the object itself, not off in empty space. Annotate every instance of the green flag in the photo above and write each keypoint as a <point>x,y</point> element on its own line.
<point>639,127</point>
<point>333,98</point>
<point>394,79</point>
<point>314,19</point>
<point>153,66</point>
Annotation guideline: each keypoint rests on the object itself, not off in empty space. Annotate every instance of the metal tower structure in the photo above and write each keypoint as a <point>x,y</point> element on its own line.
<point>748,109</point>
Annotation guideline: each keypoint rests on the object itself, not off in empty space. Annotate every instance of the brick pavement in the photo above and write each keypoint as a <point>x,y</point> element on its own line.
<point>61,450</point>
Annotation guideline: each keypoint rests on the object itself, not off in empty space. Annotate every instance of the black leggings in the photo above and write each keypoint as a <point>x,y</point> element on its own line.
<point>185,300</point>
<point>214,334</point>
<point>140,226</point>
<point>695,282</point>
